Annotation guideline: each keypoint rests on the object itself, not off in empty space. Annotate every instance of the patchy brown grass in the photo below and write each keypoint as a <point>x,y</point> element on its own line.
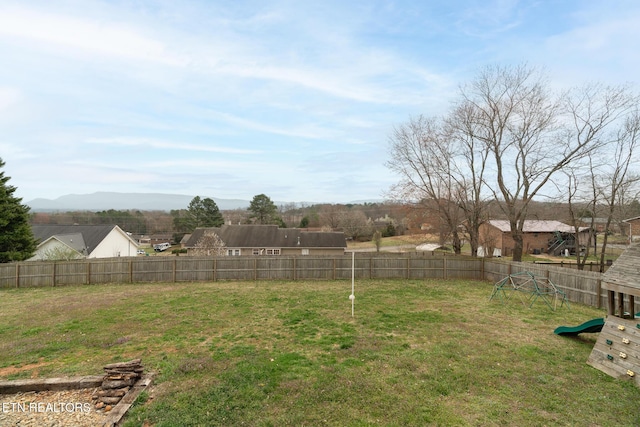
<point>289,353</point>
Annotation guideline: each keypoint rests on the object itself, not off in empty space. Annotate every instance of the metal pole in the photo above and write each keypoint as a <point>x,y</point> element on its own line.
<point>352,297</point>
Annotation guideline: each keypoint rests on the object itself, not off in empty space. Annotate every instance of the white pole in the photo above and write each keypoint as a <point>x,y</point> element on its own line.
<point>352,297</point>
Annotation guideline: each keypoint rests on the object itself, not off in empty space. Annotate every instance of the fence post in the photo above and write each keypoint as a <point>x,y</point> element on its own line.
<point>53,278</point>
<point>215,269</point>
<point>173,273</point>
<point>17,275</point>
<point>255,269</point>
<point>598,292</point>
<point>408,269</point>
<point>131,271</point>
<point>294,268</point>
<point>88,272</point>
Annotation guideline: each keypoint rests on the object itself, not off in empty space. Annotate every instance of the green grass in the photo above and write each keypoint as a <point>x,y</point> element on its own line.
<point>289,353</point>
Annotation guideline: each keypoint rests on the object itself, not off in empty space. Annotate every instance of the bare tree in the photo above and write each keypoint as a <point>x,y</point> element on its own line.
<point>520,121</point>
<point>581,199</point>
<point>355,224</point>
<point>330,215</point>
<point>608,116</point>
<point>421,156</point>
<point>60,253</point>
<point>210,244</point>
<point>441,169</point>
<point>617,178</point>
<point>469,171</point>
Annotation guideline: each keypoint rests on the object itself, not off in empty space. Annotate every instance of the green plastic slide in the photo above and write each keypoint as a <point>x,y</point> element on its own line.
<point>593,325</point>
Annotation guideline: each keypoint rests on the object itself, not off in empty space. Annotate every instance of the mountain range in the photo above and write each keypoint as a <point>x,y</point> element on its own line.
<point>101,201</point>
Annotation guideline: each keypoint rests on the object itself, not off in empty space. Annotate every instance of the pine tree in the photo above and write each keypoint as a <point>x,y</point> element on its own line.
<point>264,211</point>
<point>16,238</point>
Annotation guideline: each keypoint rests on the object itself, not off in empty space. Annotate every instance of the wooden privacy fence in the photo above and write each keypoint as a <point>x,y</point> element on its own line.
<point>579,286</point>
<point>203,269</point>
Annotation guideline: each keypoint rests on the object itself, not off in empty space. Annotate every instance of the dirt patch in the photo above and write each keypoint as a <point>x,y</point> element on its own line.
<point>10,370</point>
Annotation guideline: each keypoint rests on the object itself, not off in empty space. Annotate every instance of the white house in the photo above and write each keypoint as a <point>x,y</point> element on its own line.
<point>82,241</point>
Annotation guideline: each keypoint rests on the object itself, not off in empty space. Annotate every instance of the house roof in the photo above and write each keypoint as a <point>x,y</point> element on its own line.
<point>624,273</point>
<point>270,236</point>
<point>536,226</point>
<point>74,240</point>
<point>91,234</point>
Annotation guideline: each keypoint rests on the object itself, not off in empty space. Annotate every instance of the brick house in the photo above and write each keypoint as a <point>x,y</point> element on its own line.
<point>633,228</point>
<point>538,237</point>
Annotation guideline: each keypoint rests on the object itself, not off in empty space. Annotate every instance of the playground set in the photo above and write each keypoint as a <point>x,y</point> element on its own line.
<point>617,349</point>
<point>530,287</point>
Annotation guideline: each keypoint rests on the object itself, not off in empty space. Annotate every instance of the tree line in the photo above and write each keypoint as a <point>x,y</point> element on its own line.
<point>358,221</point>
<point>510,139</point>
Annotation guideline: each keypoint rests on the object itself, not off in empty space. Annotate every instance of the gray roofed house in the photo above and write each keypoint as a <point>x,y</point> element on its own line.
<point>271,240</point>
<point>81,241</point>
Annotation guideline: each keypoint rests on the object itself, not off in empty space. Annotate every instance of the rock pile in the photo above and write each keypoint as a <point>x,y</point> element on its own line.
<point>116,383</point>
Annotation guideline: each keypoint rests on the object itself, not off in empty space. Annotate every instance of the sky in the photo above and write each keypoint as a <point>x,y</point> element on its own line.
<point>292,99</point>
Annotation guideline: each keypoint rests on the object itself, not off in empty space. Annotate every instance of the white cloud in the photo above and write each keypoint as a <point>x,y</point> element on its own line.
<point>259,97</point>
<point>92,36</point>
<point>169,145</point>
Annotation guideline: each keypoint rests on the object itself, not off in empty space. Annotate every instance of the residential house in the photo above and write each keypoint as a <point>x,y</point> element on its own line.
<point>633,228</point>
<point>258,240</point>
<point>539,236</point>
<point>599,224</point>
<point>81,241</point>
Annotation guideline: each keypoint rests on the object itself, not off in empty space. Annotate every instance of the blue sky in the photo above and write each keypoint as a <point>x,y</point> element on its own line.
<point>292,99</point>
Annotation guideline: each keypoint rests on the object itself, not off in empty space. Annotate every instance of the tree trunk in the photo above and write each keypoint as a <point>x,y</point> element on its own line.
<point>457,246</point>
<point>517,248</point>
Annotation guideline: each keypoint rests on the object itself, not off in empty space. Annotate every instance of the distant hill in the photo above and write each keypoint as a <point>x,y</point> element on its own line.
<point>101,201</point>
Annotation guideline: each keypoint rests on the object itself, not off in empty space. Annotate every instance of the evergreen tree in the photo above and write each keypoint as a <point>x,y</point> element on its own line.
<point>16,238</point>
<point>199,213</point>
<point>264,211</point>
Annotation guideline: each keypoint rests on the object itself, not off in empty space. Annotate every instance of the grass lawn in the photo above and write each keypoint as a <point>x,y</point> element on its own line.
<point>289,353</point>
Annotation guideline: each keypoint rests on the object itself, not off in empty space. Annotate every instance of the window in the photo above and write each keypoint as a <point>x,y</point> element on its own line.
<point>233,252</point>
<point>256,252</point>
<point>273,251</point>
<point>305,252</point>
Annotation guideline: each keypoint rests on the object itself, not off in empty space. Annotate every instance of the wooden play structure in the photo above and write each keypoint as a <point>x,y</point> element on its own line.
<point>617,350</point>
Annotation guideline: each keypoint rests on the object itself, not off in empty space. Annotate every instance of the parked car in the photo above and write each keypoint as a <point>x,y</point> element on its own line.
<point>142,252</point>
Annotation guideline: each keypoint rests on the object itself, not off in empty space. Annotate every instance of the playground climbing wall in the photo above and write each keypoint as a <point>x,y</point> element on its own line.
<point>617,351</point>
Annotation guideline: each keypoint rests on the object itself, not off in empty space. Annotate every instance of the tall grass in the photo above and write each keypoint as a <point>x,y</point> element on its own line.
<point>289,353</point>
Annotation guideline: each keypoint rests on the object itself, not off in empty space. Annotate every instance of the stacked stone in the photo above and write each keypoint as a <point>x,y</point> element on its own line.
<point>116,383</point>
